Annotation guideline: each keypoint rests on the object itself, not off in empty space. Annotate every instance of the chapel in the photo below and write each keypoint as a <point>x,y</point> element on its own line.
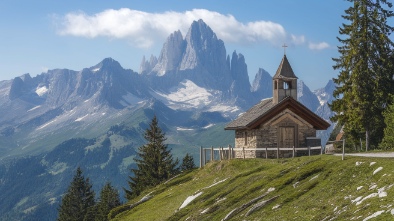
<point>278,122</point>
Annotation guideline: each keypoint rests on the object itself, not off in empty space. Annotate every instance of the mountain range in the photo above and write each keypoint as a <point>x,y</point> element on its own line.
<point>95,118</point>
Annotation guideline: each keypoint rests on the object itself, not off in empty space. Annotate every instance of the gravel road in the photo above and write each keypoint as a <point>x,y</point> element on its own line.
<point>382,154</point>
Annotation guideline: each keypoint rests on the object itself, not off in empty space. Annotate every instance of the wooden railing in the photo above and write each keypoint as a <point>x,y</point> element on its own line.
<point>224,153</point>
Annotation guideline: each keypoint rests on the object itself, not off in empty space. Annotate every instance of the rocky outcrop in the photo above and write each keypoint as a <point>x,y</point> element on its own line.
<point>240,86</point>
<point>262,85</point>
<point>306,97</point>
<point>171,54</point>
<point>16,89</point>
<point>147,66</point>
<point>204,59</point>
<point>325,95</point>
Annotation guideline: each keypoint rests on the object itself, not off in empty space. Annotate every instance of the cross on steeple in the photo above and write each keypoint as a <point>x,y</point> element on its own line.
<point>284,46</point>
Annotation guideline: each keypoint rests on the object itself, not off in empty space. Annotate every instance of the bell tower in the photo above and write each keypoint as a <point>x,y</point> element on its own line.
<point>284,81</point>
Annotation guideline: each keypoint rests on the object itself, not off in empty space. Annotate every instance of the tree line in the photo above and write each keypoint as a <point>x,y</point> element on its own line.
<point>155,164</point>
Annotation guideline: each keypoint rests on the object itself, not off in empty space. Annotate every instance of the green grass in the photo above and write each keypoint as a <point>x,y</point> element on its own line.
<point>308,188</point>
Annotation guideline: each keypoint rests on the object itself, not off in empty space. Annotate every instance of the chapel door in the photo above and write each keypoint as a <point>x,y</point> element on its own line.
<point>287,137</point>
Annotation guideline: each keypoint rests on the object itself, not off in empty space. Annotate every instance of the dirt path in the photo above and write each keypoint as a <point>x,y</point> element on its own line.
<point>383,154</point>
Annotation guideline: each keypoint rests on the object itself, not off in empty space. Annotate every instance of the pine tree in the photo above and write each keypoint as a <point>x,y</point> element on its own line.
<point>388,139</point>
<point>155,163</point>
<point>78,202</point>
<point>365,80</point>
<point>187,163</point>
<point>109,199</point>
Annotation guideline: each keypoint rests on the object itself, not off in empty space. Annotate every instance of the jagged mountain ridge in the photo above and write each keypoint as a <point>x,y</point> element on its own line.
<point>201,58</point>
<point>191,74</point>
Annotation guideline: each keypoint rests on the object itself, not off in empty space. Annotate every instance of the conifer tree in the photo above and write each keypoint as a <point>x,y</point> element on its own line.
<point>187,163</point>
<point>78,202</point>
<point>155,163</point>
<point>365,80</point>
<point>388,139</point>
<point>109,199</point>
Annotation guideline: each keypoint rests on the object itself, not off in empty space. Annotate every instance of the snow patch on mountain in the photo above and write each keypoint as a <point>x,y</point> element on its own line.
<point>325,95</point>
<point>208,126</point>
<point>95,69</point>
<point>129,99</point>
<point>45,125</point>
<point>81,118</point>
<point>188,96</point>
<point>224,108</point>
<point>185,96</point>
<point>183,129</point>
<point>41,91</point>
<point>36,107</point>
<point>321,98</point>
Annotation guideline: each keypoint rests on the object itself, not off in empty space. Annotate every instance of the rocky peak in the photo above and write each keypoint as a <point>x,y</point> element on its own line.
<point>16,89</point>
<point>110,64</point>
<point>239,74</point>
<point>200,34</point>
<point>262,84</point>
<point>325,94</point>
<point>330,86</point>
<point>239,69</point>
<point>306,97</point>
<point>171,54</point>
<point>204,49</point>
<point>26,77</point>
<point>147,66</point>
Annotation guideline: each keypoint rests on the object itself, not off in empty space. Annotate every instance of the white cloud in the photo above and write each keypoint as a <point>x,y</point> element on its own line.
<point>318,46</point>
<point>143,28</point>
<point>297,40</point>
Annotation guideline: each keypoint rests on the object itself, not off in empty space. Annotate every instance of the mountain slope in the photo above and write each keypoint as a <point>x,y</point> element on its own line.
<point>307,188</point>
<point>44,177</point>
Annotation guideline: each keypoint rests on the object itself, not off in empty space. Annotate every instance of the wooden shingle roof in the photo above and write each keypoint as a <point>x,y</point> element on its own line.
<point>284,70</point>
<point>266,110</point>
<point>253,113</point>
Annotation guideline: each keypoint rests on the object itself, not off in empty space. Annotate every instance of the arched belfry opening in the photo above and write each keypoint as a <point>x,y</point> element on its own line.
<point>285,82</point>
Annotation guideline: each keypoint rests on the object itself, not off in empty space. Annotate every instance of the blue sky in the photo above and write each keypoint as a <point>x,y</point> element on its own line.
<point>46,34</point>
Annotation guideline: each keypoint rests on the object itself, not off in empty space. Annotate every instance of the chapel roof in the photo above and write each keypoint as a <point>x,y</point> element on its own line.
<point>284,70</point>
<point>250,115</point>
<point>266,109</point>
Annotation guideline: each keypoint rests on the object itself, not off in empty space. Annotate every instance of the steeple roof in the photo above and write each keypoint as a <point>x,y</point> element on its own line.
<point>284,70</point>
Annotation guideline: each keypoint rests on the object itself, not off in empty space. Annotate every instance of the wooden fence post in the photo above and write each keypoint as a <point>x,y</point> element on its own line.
<point>204,158</point>
<point>266,152</point>
<point>309,150</point>
<point>343,149</point>
<point>293,151</point>
<point>212,154</point>
<point>201,156</point>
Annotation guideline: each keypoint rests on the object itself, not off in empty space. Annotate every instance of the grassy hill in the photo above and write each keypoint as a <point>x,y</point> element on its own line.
<point>307,188</point>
